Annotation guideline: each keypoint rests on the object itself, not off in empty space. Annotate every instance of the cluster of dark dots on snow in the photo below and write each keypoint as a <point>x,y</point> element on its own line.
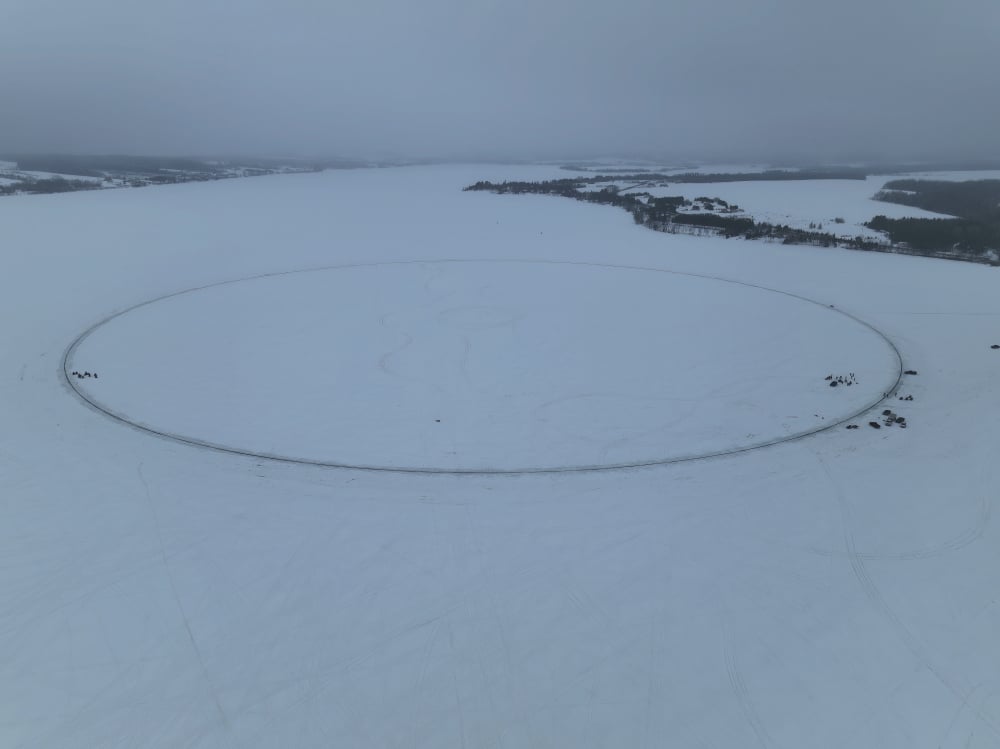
<point>81,375</point>
<point>889,418</point>
<point>835,380</point>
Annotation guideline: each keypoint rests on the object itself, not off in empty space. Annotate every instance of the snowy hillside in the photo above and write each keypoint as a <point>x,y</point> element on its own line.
<point>178,570</point>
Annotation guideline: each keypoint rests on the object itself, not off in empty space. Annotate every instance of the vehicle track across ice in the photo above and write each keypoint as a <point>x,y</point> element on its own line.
<point>893,379</point>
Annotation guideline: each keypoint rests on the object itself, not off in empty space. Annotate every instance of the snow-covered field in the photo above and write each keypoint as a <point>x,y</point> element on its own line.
<point>803,202</point>
<point>838,590</point>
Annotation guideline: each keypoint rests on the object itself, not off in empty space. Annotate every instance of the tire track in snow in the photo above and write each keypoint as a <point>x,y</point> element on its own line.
<point>743,696</point>
<point>383,361</point>
<point>903,633</point>
<point>956,543</point>
<point>180,608</point>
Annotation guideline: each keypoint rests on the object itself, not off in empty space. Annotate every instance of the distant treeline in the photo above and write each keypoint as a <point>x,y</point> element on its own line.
<point>658,179</point>
<point>29,176</point>
<point>665,213</point>
<point>976,203</point>
<point>48,186</point>
<point>771,175</point>
<point>97,166</point>
<point>100,165</point>
<point>974,199</point>
<point>958,235</point>
<point>819,171</point>
<point>975,238</point>
<point>699,177</point>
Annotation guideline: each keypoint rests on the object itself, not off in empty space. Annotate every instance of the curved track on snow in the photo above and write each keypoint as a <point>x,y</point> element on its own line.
<point>890,388</point>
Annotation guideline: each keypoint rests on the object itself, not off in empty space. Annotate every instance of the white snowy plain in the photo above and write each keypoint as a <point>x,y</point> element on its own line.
<point>838,590</point>
<point>482,366</point>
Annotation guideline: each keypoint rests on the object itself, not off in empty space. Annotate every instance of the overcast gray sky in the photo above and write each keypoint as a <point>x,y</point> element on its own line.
<point>768,79</point>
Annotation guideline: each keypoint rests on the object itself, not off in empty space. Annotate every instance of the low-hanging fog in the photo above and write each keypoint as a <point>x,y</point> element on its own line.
<point>772,80</point>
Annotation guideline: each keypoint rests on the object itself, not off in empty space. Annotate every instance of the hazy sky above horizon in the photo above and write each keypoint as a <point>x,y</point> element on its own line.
<point>771,80</point>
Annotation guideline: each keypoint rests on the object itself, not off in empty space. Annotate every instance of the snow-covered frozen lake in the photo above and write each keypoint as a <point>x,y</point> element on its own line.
<point>835,590</point>
<point>482,366</point>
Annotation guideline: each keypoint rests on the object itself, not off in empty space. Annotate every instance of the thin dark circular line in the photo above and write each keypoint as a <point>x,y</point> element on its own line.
<point>587,468</point>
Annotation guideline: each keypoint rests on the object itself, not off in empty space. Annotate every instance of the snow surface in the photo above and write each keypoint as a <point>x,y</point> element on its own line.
<point>834,591</point>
